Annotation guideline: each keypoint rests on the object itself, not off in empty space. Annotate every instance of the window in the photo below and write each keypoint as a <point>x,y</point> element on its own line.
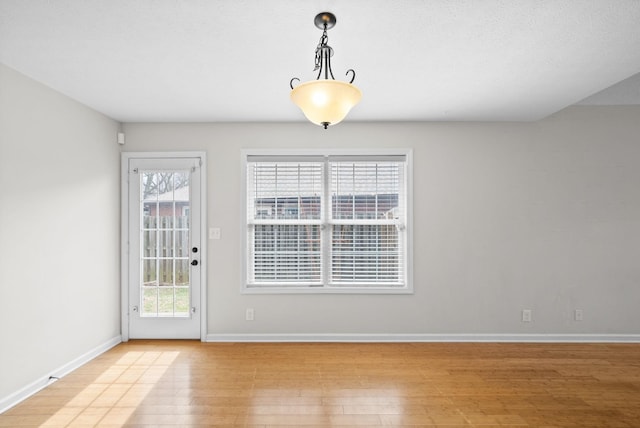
<point>327,222</point>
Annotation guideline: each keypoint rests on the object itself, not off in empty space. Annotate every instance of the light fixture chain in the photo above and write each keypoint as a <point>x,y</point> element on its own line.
<point>322,44</point>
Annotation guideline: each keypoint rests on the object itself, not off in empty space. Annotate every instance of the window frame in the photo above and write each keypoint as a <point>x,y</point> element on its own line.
<point>326,287</point>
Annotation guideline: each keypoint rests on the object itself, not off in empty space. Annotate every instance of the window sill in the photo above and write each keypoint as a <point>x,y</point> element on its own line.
<point>325,290</point>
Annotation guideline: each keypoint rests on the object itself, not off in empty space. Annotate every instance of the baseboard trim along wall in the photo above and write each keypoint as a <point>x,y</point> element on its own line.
<point>7,402</point>
<point>533,338</point>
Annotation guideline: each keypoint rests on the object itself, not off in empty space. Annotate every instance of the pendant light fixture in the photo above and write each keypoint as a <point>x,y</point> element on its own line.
<point>325,101</point>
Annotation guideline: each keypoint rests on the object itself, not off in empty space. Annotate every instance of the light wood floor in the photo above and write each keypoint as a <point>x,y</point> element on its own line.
<point>183,383</point>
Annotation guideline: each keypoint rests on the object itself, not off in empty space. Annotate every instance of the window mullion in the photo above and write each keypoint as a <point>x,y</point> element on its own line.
<point>326,228</point>
<point>377,230</point>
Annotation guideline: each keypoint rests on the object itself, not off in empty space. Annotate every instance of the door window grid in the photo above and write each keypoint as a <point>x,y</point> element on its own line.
<point>164,283</point>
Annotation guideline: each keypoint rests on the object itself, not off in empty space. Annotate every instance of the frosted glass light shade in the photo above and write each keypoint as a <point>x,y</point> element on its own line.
<point>325,101</point>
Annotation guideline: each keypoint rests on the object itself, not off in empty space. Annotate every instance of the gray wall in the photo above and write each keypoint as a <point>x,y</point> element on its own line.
<point>59,231</point>
<point>507,216</point>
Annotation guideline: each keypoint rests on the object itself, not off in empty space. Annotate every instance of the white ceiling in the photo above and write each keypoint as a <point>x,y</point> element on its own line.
<point>231,60</point>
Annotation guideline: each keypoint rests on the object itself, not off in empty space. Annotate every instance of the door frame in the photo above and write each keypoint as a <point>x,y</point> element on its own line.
<point>124,234</point>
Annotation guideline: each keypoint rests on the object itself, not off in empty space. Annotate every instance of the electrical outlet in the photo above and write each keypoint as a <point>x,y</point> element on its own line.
<point>526,315</point>
<point>577,315</point>
<point>249,314</point>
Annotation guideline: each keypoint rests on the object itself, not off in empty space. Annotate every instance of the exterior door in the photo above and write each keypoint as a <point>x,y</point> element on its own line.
<point>164,289</point>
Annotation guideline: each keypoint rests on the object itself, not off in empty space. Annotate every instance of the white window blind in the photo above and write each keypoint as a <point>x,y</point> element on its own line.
<point>284,211</point>
<point>326,222</point>
<point>367,216</point>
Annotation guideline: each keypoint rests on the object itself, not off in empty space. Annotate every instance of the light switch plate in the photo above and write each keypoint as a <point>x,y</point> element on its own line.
<point>214,233</point>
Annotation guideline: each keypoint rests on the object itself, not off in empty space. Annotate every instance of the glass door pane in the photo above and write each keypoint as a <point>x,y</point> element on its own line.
<point>164,235</point>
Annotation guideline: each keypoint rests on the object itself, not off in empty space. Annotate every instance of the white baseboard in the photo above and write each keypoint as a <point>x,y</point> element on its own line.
<point>11,400</point>
<point>533,338</point>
